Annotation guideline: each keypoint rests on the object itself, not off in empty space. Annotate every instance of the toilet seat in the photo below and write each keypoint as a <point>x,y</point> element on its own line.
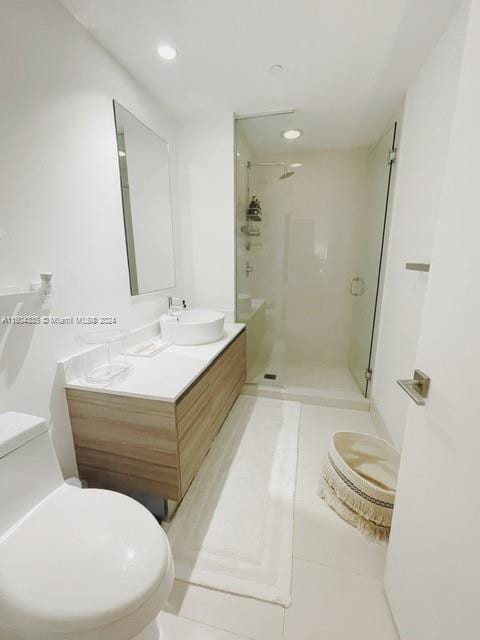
<point>81,562</point>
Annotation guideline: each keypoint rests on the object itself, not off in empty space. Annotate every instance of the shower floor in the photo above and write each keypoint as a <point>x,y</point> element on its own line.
<point>334,386</point>
<point>317,377</point>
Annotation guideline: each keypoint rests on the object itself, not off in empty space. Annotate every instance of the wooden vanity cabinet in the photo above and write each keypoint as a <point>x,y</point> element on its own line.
<point>133,444</point>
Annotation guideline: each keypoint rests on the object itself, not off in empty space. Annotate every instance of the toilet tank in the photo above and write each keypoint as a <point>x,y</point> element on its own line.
<point>29,469</point>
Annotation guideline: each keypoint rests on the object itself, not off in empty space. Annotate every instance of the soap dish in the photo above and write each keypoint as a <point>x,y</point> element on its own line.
<point>147,349</point>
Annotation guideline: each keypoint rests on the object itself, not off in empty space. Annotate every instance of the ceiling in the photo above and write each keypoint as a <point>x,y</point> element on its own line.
<point>347,63</point>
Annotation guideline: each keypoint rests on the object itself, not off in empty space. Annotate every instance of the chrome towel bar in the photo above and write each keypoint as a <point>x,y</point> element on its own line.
<point>417,266</point>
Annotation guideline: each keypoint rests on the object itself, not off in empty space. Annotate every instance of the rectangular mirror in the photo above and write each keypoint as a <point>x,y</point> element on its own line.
<point>147,212</point>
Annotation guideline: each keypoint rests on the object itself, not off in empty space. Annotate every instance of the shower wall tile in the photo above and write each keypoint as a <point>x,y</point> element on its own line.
<point>311,236</point>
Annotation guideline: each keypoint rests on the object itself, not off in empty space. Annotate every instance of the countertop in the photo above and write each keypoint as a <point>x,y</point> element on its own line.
<point>169,373</point>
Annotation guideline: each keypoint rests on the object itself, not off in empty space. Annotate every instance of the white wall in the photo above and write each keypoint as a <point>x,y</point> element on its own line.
<point>328,204</point>
<point>61,206</point>
<point>208,206</point>
<point>423,147</point>
<point>433,565</point>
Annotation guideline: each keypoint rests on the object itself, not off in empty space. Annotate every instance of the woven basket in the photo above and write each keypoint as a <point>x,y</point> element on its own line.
<point>359,480</point>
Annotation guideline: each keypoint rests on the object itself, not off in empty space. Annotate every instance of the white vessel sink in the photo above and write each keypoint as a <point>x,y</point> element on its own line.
<point>194,326</point>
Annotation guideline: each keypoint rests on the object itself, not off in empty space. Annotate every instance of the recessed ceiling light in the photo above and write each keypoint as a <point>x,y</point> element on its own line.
<point>296,165</point>
<point>276,68</point>
<point>167,52</point>
<point>122,154</point>
<point>292,134</point>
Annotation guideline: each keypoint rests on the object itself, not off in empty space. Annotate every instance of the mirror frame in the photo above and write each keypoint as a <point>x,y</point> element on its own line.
<point>131,249</point>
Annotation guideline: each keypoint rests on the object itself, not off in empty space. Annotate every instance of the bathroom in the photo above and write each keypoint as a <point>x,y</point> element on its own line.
<point>362,271</point>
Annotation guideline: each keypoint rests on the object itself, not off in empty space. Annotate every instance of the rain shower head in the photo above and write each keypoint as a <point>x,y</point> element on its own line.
<point>286,174</point>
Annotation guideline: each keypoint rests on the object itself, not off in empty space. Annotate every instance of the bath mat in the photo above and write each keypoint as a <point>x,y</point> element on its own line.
<point>233,531</point>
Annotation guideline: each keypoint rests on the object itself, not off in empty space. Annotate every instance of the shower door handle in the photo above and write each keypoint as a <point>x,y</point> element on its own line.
<point>361,286</point>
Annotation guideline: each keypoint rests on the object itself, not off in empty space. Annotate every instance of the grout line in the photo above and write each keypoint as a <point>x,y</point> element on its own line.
<point>379,580</point>
<point>299,438</point>
<point>211,626</point>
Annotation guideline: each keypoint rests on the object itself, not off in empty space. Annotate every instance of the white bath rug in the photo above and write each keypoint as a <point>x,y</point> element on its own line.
<point>234,529</point>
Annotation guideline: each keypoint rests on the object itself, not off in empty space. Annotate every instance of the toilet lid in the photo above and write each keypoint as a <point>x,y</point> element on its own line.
<point>82,559</point>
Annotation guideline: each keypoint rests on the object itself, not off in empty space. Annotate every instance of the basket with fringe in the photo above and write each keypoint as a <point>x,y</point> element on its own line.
<point>359,479</point>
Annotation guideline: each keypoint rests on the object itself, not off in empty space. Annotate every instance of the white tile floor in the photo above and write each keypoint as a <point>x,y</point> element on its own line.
<point>337,588</point>
<point>177,628</point>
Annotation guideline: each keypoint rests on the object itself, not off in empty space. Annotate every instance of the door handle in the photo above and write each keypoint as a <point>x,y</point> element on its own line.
<point>417,388</point>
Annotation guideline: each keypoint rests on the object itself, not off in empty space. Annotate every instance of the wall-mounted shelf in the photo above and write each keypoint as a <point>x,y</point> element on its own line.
<point>43,289</point>
<point>13,291</point>
<point>417,266</point>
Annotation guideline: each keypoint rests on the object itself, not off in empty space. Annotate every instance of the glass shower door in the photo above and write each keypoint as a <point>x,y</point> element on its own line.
<point>263,202</point>
<point>365,284</point>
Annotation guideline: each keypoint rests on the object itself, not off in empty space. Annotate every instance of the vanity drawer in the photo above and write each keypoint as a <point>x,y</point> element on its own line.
<point>203,409</point>
<point>125,442</point>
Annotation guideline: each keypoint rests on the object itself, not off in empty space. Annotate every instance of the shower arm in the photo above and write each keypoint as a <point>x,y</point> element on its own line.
<point>266,164</point>
<point>286,173</point>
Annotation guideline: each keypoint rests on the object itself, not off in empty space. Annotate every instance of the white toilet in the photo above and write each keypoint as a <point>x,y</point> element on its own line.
<point>75,564</point>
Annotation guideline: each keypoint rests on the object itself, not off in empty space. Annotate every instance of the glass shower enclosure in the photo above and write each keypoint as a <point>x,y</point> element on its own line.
<point>310,234</point>
<point>366,284</point>
<point>263,202</point>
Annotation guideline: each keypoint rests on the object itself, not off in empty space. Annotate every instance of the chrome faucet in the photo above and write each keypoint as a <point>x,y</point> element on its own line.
<point>175,305</point>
